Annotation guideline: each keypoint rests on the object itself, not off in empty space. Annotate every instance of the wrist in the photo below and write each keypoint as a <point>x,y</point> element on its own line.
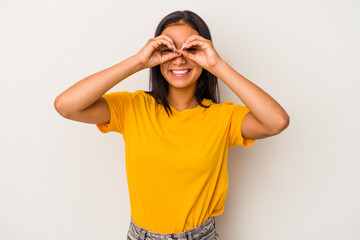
<point>218,67</point>
<point>136,62</point>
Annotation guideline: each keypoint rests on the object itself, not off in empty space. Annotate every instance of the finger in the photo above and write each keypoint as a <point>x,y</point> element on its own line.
<point>191,38</point>
<point>157,43</point>
<point>188,54</point>
<point>169,56</point>
<point>195,37</point>
<point>167,38</point>
<point>154,45</point>
<point>200,44</point>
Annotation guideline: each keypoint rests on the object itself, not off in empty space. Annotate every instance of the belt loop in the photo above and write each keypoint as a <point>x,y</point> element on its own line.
<point>142,236</point>
<point>189,235</point>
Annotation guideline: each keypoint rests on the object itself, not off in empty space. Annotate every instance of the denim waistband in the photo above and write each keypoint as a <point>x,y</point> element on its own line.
<point>207,228</point>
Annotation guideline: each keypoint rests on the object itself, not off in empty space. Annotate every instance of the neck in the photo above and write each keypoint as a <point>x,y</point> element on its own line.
<point>182,99</point>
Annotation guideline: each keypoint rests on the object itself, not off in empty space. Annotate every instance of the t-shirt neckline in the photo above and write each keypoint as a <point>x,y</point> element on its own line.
<point>205,102</point>
<point>189,111</point>
<point>173,108</point>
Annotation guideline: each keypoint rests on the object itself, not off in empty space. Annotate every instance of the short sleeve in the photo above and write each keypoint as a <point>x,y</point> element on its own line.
<point>119,103</point>
<point>235,134</point>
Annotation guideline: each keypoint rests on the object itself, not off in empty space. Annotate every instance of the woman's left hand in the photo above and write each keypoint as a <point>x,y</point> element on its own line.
<point>201,51</point>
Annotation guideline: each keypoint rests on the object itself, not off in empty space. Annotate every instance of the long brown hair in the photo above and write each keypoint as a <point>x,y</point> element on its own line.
<point>207,83</point>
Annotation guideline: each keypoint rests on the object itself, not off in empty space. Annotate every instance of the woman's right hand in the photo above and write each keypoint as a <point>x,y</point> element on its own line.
<point>157,51</point>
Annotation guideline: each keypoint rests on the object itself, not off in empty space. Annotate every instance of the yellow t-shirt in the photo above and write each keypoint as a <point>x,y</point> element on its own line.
<point>176,167</point>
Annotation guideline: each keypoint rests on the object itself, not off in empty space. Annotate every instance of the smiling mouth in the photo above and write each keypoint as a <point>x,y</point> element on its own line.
<point>180,72</point>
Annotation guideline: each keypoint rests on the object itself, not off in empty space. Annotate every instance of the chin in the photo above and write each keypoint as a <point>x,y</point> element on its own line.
<point>178,84</point>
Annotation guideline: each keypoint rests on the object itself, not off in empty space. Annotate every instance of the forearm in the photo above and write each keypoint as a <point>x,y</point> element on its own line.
<point>88,90</point>
<point>267,111</point>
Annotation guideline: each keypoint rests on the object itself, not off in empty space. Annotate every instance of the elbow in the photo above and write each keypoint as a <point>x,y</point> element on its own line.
<point>281,124</point>
<point>60,107</point>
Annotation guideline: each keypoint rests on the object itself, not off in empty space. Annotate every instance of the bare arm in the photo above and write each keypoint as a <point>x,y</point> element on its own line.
<point>83,101</point>
<point>266,117</point>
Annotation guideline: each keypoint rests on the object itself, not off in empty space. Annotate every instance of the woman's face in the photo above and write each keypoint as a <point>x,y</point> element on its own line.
<point>180,72</point>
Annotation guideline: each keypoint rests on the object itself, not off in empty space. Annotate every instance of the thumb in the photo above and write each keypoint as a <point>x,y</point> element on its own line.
<point>187,54</point>
<point>169,56</point>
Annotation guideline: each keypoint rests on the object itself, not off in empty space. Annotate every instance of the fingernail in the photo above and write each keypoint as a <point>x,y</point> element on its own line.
<point>182,47</point>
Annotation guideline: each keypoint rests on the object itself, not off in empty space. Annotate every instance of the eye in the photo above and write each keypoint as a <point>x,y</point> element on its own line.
<point>167,50</point>
<point>191,49</point>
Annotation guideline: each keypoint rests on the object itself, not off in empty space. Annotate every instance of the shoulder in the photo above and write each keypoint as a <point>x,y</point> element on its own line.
<point>128,94</point>
<point>228,108</point>
<point>141,95</point>
<point>225,106</point>
<point>125,98</point>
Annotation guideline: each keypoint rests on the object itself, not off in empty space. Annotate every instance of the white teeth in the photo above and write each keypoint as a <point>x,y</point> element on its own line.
<point>180,72</point>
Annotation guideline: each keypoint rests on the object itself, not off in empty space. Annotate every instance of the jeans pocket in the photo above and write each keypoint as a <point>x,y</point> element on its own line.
<point>212,235</point>
<point>131,237</point>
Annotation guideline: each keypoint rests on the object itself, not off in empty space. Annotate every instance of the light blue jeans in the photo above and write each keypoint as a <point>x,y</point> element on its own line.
<point>206,231</point>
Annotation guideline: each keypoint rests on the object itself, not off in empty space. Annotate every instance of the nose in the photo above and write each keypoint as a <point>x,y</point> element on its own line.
<point>179,60</point>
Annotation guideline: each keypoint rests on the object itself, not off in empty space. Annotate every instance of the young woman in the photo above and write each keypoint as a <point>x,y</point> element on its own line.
<point>177,136</point>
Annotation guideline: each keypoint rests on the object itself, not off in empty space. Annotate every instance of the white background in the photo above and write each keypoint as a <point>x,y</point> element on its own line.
<point>61,179</point>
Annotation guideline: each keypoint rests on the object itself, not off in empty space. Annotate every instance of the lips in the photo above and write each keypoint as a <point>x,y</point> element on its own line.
<point>180,72</point>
